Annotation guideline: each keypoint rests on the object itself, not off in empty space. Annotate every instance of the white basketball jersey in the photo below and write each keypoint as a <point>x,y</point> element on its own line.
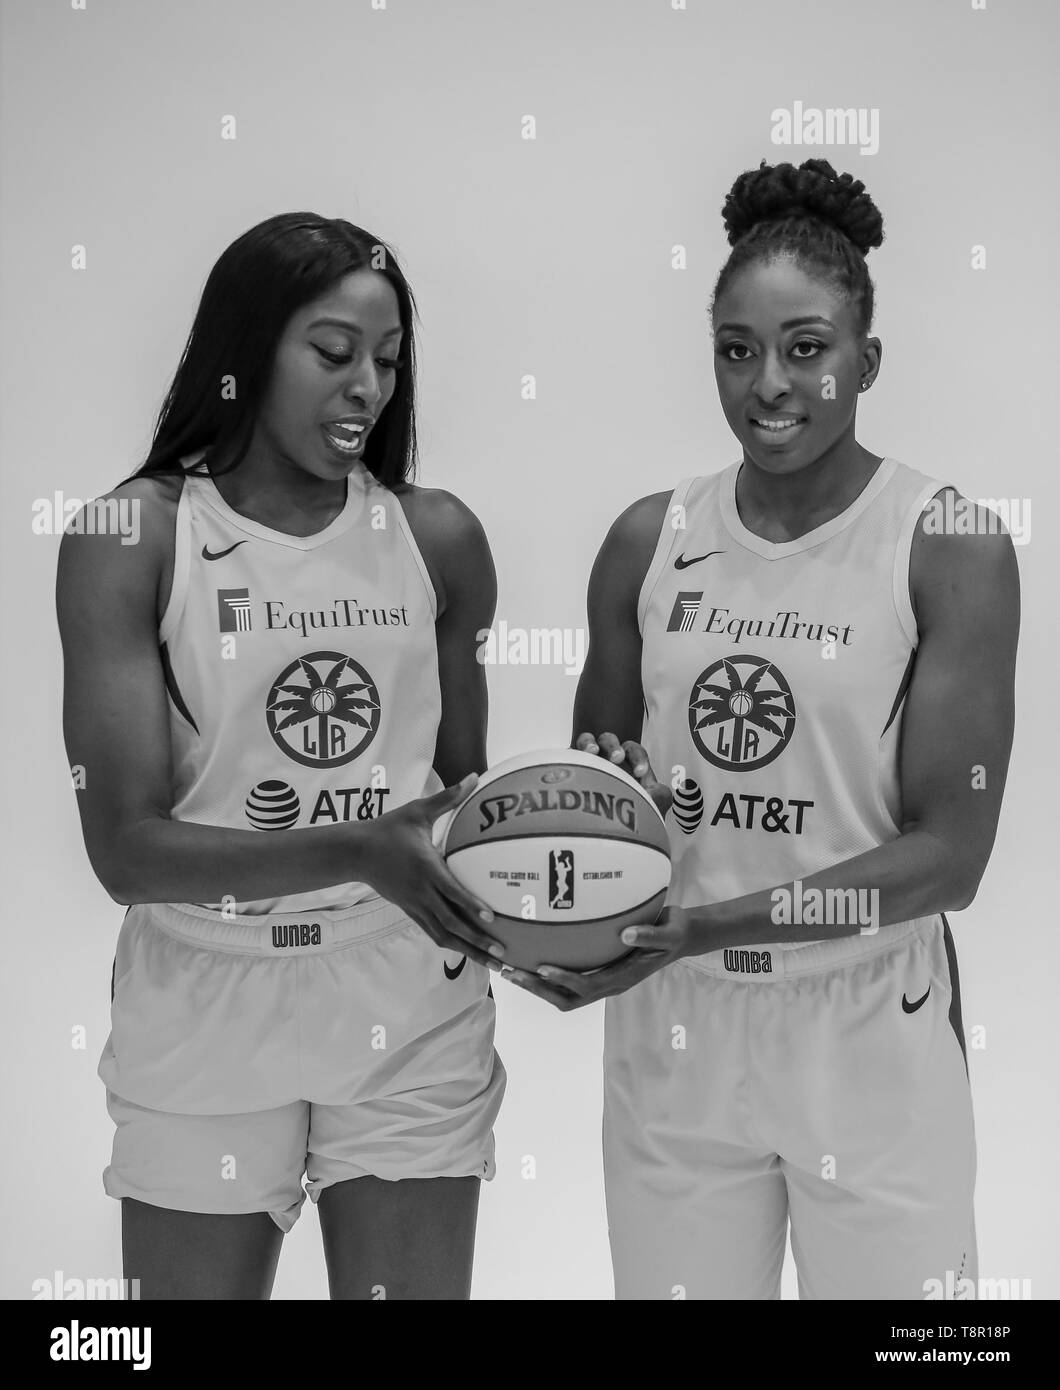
<point>302,671</point>
<point>774,676</point>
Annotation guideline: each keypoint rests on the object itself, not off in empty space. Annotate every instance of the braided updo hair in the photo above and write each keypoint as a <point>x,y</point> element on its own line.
<point>824,221</point>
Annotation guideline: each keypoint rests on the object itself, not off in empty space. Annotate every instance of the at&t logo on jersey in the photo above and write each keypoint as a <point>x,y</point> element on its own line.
<point>317,717</point>
<point>688,806</point>
<point>274,805</point>
<point>561,878</point>
<point>741,713</point>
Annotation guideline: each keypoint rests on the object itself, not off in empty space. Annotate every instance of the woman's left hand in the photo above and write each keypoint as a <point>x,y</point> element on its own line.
<point>654,946</point>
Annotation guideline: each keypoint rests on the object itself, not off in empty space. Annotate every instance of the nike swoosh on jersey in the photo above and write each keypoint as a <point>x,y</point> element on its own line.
<point>451,972</point>
<point>912,1008</point>
<point>220,554</point>
<point>682,564</point>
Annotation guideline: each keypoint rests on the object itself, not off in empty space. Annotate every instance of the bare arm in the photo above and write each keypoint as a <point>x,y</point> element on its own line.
<point>953,759</point>
<point>457,555</point>
<point>609,703</point>
<point>116,726</point>
<point>958,718</point>
<point>610,696</point>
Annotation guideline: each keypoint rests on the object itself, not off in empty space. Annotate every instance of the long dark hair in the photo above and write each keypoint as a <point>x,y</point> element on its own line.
<point>263,278</point>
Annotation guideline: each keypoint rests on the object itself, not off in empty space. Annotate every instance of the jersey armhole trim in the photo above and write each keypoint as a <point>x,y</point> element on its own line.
<point>903,603</point>
<point>410,540</point>
<point>663,547</point>
<point>178,592</point>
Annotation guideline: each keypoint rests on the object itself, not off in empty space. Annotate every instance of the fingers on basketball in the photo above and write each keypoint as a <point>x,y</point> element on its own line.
<point>637,761</point>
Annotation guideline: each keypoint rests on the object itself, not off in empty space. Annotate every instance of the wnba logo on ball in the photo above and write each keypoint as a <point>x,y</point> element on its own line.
<point>741,713</point>
<point>561,878</point>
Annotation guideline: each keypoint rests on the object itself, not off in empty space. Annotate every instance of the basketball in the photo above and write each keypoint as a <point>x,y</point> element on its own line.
<point>567,849</point>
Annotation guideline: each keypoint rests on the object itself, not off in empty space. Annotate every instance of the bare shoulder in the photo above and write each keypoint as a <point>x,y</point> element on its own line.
<point>159,490</point>
<point>629,545</point>
<point>641,522</point>
<point>150,500</point>
<point>453,545</point>
<point>125,535</point>
<point>962,552</point>
<point>625,557</point>
<point>954,530</point>
<point>440,516</point>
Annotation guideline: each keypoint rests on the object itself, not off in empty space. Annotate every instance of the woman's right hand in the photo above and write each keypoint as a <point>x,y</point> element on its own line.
<point>635,761</point>
<point>403,865</point>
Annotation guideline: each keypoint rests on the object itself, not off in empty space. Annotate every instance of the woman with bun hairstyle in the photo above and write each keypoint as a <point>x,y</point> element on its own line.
<point>813,676</point>
<point>274,695</point>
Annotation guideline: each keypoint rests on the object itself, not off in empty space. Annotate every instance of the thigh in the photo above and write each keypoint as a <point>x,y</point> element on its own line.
<point>405,1086</point>
<point>696,1202</point>
<point>199,1030</point>
<point>715,1230</point>
<point>907,1242</point>
<point>879,1154</point>
<point>408,1239</point>
<point>198,1255</point>
<point>206,1199</point>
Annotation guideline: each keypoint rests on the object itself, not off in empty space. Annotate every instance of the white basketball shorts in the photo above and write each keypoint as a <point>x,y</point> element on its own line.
<point>246,1052</point>
<point>825,1086</point>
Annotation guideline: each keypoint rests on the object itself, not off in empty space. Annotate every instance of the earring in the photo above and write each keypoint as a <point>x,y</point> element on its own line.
<point>865,385</point>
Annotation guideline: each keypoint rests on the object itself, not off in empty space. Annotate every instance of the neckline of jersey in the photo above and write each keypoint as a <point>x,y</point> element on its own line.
<point>356,486</point>
<point>778,550</point>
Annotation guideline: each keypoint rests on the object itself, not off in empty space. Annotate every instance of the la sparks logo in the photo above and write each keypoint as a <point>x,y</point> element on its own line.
<point>741,713</point>
<point>323,710</point>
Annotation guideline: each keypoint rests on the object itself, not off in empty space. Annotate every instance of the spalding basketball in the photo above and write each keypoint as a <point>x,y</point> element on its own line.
<point>567,849</point>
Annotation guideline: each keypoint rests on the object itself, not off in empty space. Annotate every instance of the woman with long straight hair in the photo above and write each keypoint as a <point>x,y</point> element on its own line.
<point>814,649</point>
<point>274,694</point>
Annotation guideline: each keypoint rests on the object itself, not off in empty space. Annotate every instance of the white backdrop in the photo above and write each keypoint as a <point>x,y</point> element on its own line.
<point>549,256</point>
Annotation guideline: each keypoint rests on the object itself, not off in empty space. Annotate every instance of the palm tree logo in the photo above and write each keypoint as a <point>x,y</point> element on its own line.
<point>741,713</point>
<point>316,720</point>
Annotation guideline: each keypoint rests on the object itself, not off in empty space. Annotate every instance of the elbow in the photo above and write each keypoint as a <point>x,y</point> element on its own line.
<point>962,889</point>
<point>117,886</point>
<point>119,863</point>
<point>953,873</point>
<point>114,877</point>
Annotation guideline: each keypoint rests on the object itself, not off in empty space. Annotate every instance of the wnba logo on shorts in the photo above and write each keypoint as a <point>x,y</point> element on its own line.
<point>749,962</point>
<point>561,878</point>
<point>296,934</point>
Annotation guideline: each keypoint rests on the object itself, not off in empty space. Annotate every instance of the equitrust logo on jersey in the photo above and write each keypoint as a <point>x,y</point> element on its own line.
<point>233,610</point>
<point>683,615</point>
<point>786,624</point>
<point>561,878</point>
